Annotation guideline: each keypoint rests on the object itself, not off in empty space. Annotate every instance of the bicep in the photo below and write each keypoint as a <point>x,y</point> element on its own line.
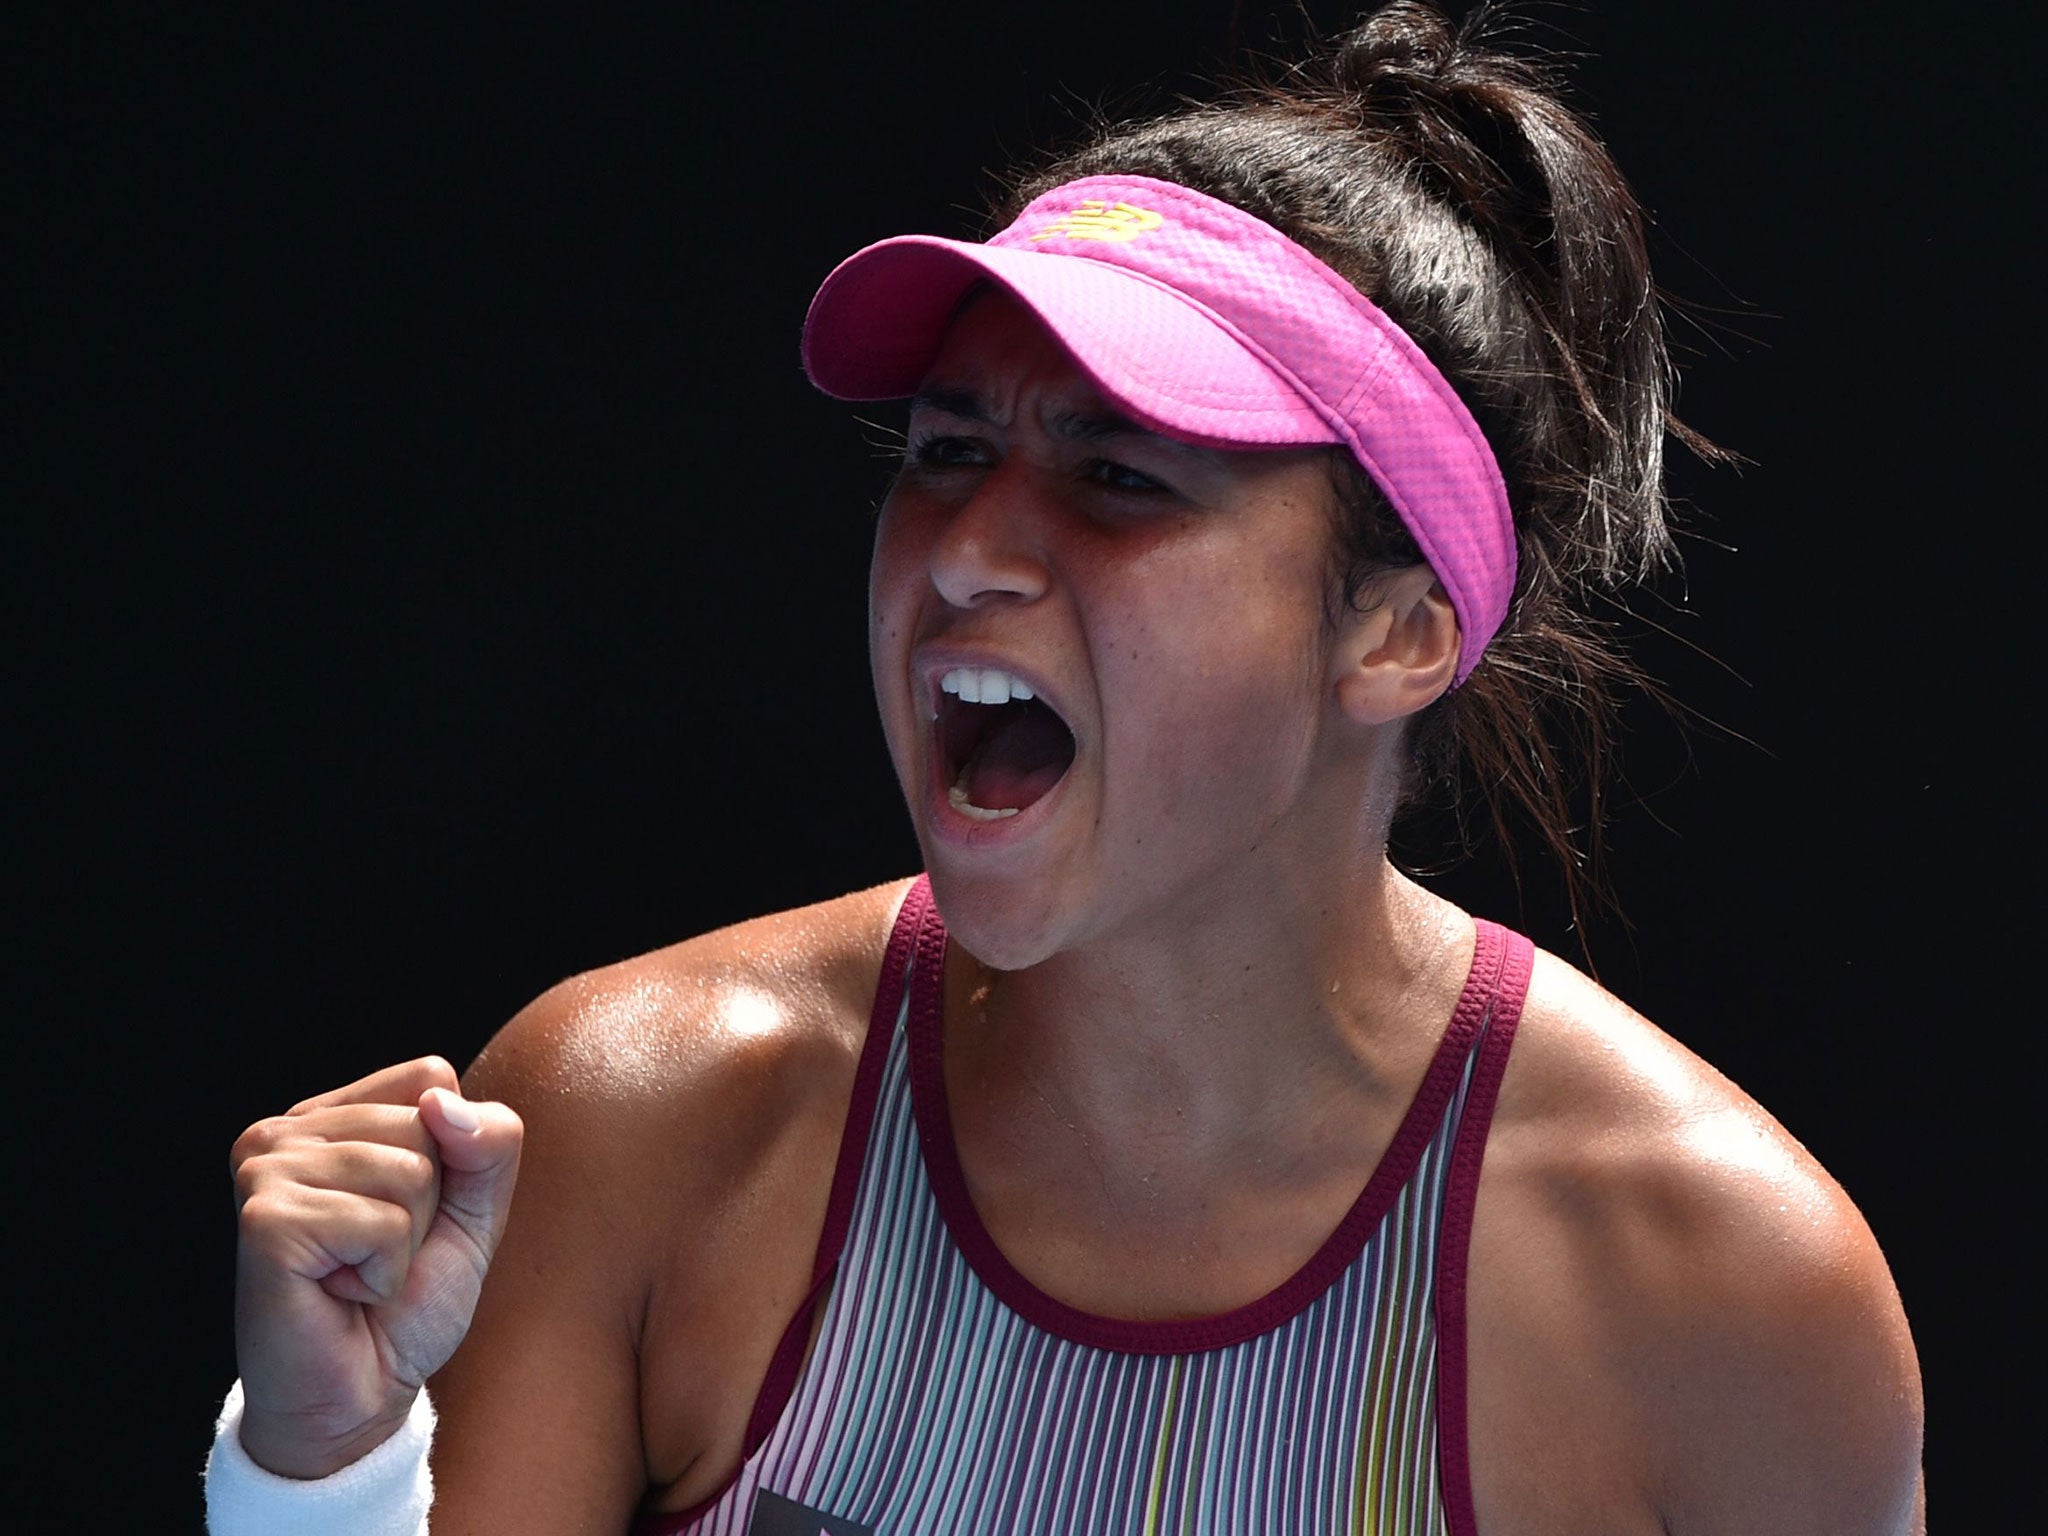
<point>539,1427</point>
<point>540,1421</point>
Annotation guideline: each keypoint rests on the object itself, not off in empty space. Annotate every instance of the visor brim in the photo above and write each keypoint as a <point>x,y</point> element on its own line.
<point>879,321</point>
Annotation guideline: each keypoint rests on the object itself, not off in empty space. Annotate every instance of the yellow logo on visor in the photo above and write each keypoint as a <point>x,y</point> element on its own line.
<point>1097,220</point>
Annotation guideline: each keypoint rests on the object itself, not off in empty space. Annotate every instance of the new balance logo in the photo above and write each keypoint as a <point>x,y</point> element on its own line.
<point>1097,220</point>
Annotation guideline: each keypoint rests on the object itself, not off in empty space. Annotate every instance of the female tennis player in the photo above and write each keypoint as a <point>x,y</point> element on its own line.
<point>1162,1159</point>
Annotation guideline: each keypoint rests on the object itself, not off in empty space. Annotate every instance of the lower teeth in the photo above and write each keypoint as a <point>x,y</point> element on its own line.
<point>957,796</point>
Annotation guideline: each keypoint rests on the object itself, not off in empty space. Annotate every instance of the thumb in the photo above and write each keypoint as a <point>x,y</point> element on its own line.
<point>479,1143</point>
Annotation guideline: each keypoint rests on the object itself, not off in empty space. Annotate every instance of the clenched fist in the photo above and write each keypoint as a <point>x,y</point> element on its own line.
<point>368,1218</point>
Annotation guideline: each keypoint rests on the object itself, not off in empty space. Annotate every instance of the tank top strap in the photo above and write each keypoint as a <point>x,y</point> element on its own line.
<point>1503,965</point>
<point>907,950</point>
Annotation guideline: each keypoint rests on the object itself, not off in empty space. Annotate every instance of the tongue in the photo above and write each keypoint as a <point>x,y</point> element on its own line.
<point>1024,754</point>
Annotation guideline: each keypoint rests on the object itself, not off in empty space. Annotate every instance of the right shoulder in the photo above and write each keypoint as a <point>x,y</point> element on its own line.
<point>752,1009</point>
<point>658,1087</point>
<point>683,1113</point>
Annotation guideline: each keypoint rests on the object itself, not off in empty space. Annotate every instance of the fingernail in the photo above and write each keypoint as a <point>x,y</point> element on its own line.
<point>460,1113</point>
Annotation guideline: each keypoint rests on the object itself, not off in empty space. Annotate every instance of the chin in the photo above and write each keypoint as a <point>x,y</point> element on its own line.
<point>1005,928</point>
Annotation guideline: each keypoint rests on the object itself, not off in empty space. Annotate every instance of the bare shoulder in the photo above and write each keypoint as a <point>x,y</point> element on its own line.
<point>749,1009</point>
<point>683,1111</point>
<point>673,1072</point>
<point>1655,1248</point>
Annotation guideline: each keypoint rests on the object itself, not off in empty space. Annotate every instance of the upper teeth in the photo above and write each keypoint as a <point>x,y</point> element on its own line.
<point>984,685</point>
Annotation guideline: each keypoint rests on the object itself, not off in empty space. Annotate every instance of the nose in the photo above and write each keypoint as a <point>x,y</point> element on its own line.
<point>992,547</point>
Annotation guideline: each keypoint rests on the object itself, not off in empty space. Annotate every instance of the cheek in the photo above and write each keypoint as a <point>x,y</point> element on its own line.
<point>892,565</point>
<point>896,583</point>
<point>1231,615</point>
<point>1219,683</point>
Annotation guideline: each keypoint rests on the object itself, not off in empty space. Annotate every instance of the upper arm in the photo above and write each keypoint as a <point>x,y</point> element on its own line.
<point>683,1114</point>
<point>539,1426</point>
<point>1785,1383</point>
<point>1680,1321</point>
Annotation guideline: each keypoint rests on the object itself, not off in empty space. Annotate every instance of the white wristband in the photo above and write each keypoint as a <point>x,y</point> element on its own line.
<point>386,1493</point>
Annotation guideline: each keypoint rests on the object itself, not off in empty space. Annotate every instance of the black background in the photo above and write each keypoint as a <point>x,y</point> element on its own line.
<point>434,577</point>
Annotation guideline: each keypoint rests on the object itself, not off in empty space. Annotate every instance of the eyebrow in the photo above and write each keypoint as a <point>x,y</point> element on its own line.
<point>1087,426</point>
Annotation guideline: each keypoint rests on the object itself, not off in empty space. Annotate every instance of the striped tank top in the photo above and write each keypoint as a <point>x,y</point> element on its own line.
<point>947,1394</point>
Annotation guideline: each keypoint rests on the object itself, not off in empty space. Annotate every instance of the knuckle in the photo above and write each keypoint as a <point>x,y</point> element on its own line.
<point>394,1228</point>
<point>264,1215</point>
<point>406,1171</point>
<point>437,1070</point>
<point>274,1168</point>
<point>260,1137</point>
<point>251,1174</point>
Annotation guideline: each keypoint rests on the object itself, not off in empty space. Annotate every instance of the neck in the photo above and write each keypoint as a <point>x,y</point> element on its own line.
<point>1242,1023</point>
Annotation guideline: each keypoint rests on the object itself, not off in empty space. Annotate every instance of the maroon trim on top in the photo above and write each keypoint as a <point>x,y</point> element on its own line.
<point>786,1363</point>
<point>1177,1335</point>
<point>1454,1240</point>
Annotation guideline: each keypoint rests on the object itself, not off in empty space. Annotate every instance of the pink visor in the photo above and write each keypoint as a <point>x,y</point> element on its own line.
<point>1205,324</point>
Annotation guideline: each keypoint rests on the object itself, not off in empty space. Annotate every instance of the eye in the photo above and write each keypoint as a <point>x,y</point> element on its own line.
<point>1121,477</point>
<point>937,450</point>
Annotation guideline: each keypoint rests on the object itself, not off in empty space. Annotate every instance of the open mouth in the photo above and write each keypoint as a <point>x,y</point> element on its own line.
<point>1001,747</point>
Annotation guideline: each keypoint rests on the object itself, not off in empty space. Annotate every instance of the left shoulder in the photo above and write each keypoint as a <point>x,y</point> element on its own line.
<point>1737,1305</point>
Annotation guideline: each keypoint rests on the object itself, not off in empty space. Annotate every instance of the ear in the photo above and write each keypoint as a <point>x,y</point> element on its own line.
<point>1399,655</point>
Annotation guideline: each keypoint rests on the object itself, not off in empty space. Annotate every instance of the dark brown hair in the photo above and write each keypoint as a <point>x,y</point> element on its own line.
<point>1444,176</point>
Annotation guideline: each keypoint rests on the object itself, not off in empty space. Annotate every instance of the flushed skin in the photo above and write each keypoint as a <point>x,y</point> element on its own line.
<point>1187,1004</point>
